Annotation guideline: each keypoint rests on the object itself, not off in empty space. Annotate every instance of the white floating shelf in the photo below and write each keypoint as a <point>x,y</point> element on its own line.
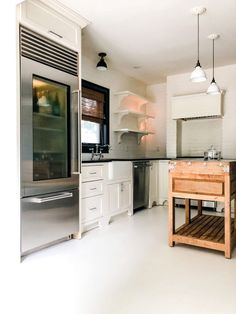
<point>140,100</point>
<point>139,133</point>
<point>137,114</point>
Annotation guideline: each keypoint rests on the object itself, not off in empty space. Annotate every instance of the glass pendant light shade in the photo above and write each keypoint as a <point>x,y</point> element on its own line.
<point>213,89</point>
<point>198,74</point>
<point>101,65</point>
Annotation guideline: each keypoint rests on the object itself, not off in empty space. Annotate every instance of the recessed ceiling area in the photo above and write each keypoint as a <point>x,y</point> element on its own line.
<point>149,39</point>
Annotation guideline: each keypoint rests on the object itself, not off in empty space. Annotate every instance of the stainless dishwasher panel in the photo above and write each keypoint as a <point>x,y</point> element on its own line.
<point>48,218</point>
<point>141,184</point>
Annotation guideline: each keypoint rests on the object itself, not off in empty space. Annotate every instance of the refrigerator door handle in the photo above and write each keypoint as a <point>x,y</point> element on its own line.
<point>76,134</point>
<point>46,199</point>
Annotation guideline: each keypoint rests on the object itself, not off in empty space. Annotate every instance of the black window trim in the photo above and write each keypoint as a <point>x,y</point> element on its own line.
<point>87,147</point>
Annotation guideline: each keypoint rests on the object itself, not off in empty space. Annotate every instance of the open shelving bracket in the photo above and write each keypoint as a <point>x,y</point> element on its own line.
<point>140,134</point>
<point>139,115</point>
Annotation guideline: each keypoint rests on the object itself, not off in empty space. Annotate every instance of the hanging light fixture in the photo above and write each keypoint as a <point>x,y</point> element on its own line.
<point>198,75</point>
<point>213,89</point>
<point>102,66</point>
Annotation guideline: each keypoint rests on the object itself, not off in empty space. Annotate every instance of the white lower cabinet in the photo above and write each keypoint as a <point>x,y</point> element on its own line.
<point>92,208</point>
<point>93,195</point>
<point>119,197</point>
<point>163,169</point>
<point>120,188</point>
<point>158,182</point>
<point>153,183</point>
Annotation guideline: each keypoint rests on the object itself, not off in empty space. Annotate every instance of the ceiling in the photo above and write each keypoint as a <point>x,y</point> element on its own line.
<point>157,36</point>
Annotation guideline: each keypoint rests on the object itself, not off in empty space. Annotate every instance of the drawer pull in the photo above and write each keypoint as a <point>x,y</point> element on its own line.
<point>92,172</point>
<point>92,189</point>
<point>93,208</point>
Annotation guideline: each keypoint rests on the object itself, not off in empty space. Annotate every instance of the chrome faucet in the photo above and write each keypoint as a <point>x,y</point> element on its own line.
<point>92,152</point>
<point>98,151</point>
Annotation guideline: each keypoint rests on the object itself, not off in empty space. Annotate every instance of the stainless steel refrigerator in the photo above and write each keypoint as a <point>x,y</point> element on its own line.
<point>50,141</point>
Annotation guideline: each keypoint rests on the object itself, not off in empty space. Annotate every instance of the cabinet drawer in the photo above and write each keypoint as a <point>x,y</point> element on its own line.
<point>53,24</point>
<point>198,187</point>
<point>91,208</point>
<point>90,173</point>
<point>92,188</point>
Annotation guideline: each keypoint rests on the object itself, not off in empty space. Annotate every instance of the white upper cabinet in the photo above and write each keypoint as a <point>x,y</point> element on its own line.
<point>53,20</point>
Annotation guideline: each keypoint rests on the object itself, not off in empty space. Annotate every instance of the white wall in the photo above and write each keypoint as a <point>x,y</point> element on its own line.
<point>116,82</point>
<point>221,133</point>
<point>156,144</point>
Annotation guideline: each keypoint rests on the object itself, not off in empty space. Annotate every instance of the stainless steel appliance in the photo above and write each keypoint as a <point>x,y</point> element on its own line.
<point>141,184</point>
<point>50,141</point>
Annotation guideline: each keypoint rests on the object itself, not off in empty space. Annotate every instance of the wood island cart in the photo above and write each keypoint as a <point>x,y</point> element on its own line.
<point>203,180</point>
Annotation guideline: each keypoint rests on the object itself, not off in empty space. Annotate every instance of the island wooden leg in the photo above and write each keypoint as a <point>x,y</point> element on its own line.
<point>171,205</point>
<point>187,211</point>
<point>199,207</point>
<point>227,218</point>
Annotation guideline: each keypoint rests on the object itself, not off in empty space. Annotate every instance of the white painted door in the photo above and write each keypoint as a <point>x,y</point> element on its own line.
<point>163,181</point>
<point>113,197</point>
<point>125,195</point>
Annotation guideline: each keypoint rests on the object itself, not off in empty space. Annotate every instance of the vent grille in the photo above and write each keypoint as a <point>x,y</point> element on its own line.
<point>43,50</point>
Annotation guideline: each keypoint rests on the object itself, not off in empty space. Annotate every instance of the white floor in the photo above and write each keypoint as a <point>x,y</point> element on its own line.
<point>127,268</point>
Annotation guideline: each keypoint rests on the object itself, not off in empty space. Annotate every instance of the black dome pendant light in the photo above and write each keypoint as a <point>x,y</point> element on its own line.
<point>102,66</point>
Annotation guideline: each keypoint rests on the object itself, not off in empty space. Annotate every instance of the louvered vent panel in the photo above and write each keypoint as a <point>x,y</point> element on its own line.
<point>41,49</point>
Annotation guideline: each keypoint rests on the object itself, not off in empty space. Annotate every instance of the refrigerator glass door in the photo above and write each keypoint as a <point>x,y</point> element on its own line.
<point>49,129</point>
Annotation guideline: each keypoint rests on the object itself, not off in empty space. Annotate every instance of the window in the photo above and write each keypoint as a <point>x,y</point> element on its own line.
<point>95,116</point>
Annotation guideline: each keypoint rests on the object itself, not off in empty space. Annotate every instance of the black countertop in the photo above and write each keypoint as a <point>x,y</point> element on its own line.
<point>139,159</point>
<point>123,159</point>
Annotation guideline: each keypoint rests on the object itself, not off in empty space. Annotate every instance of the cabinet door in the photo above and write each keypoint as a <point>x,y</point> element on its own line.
<point>113,197</point>
<point>55,26</point>
<point>125,195</point>
<point>163,181</point>
<point>153,184</point>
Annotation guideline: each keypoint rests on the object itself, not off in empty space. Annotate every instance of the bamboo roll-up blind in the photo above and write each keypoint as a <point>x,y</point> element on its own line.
<point>92,105</point>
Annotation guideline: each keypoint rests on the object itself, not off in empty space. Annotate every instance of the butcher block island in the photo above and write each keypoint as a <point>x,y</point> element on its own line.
<point>203,180</point>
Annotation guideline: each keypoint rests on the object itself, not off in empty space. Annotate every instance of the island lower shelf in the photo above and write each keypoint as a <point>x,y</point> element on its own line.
<point>205,231</point>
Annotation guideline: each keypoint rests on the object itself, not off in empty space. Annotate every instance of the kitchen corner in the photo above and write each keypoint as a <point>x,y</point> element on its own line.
<point>124,200</point>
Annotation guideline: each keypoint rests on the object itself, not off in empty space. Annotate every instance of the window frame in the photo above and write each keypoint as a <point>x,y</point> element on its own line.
<point>105,126</point>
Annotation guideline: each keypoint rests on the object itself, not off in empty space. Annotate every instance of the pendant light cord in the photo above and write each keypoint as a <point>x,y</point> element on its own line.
<point>198,38</point>
<point>213,58</point>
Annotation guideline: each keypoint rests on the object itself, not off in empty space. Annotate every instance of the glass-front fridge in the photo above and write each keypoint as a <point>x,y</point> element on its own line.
<point>50,141</point>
